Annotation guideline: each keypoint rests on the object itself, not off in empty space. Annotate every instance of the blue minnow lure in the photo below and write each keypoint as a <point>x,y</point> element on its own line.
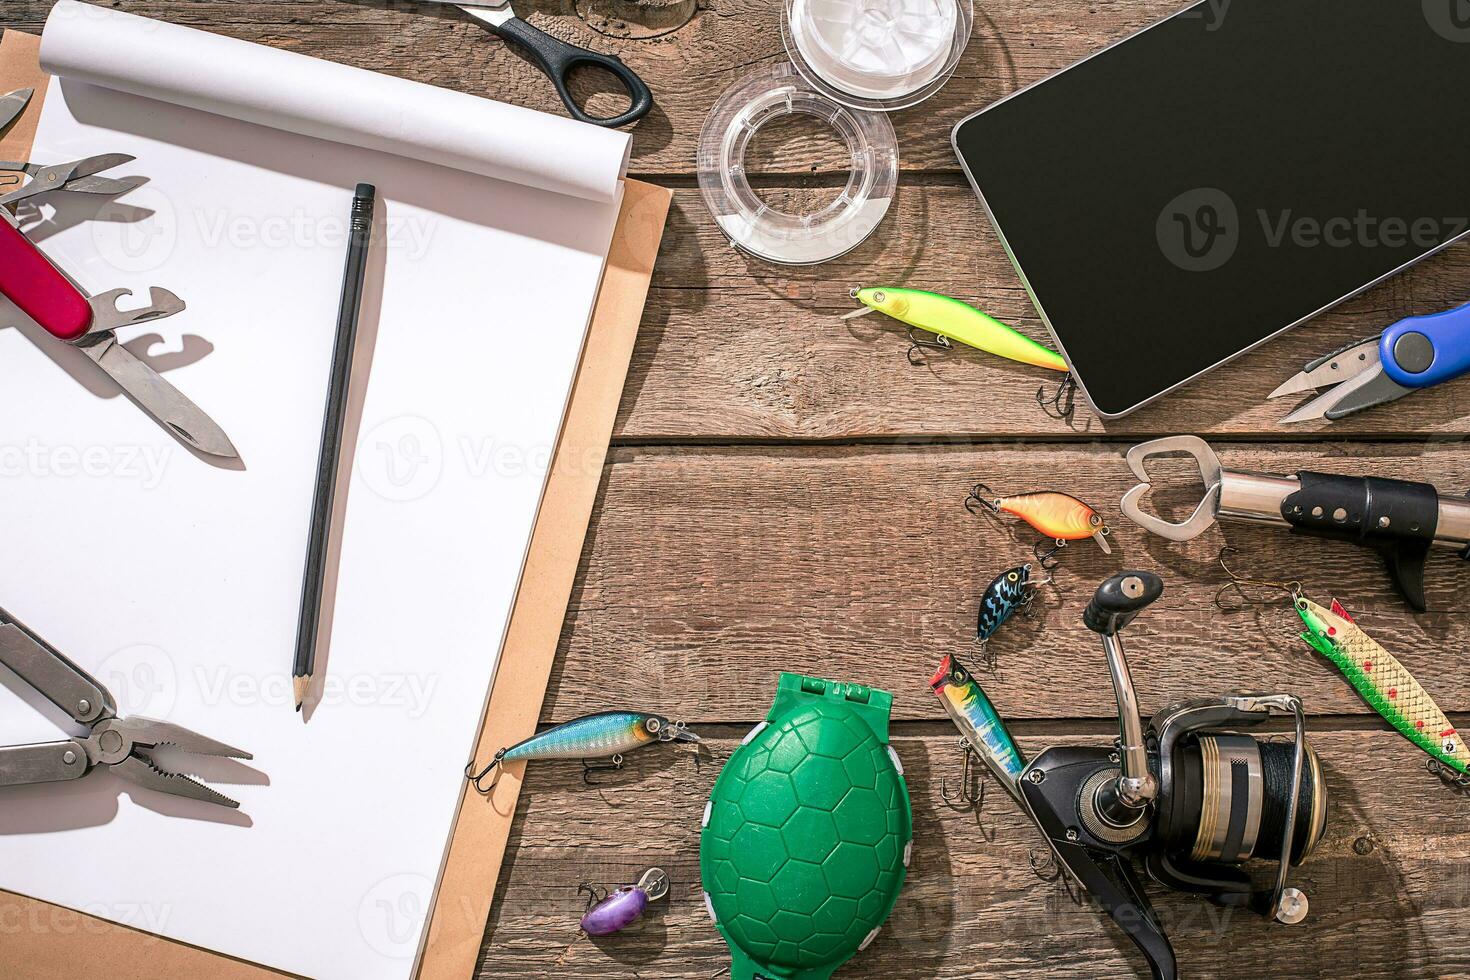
<point>1010,591</point>
<point>979,723</point>
<point>604,735</point>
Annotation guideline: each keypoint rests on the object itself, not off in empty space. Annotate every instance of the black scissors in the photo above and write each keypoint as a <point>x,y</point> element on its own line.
<point>557,58</point>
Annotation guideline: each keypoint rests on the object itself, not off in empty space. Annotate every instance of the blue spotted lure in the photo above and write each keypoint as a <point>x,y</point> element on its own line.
<point>1012,590</point>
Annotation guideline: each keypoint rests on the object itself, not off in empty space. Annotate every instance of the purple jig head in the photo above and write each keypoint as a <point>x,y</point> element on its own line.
<point>625,906</point>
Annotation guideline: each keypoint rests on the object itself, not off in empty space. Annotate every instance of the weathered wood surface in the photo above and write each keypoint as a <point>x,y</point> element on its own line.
<point>971,906</point>
<point>710,570</point>
<point>733,348</point>
<point>786,494</point>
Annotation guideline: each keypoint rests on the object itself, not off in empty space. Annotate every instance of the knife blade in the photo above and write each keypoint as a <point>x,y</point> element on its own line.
<point>160,399</point>
<point>12,104</point>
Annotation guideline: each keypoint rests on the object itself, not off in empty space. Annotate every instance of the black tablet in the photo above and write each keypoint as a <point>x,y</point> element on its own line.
<point>1221,176</point>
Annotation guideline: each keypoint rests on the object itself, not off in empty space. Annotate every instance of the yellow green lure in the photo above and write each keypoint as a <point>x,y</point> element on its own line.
<point>951,320</point>
<point>1383,682</point>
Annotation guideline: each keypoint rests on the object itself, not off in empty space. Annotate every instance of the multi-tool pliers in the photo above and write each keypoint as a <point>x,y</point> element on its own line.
<point>1417,352</point>
<point>123,745</point>
<point>49,297</point>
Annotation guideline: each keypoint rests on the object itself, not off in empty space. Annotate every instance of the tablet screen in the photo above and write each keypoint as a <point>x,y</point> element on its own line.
<point>1235,169</point>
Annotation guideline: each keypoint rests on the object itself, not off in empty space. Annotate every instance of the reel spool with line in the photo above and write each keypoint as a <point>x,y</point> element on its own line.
<point>1190,797</point>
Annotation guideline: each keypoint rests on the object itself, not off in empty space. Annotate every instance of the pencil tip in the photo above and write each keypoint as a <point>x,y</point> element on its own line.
<point>299,685</point>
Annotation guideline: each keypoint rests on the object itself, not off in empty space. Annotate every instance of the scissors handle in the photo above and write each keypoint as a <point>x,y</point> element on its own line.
<point>557,58</point>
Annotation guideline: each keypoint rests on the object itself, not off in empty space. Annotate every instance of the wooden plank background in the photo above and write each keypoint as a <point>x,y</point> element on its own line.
<point>786,491</point>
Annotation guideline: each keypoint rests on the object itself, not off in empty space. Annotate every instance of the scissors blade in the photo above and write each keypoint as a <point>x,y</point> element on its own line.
<point>12,104</point>
<point>160,399</point>
<point>492,14</point>
<point>1368,390</point>
<point>54,178</point>
<point>110,186</point>
<point>1341,365</point>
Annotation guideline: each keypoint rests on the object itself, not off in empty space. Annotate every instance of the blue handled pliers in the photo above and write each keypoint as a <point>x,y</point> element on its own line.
<point>1417,352</point>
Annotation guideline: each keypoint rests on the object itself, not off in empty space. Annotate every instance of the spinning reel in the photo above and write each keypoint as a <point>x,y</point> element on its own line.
<point>1189,797</point>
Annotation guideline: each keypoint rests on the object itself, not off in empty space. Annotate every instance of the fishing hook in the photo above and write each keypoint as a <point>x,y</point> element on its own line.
<point>592,893</point>
<point>476,777</point>
<point>985,497</point>
<point>966,798</point>
<point>613,765</point>
<point>1051,871</point>
<point>1236,583</point>
<point>1048,560</point>
<point>1062,403</point>
<point>917,346</point>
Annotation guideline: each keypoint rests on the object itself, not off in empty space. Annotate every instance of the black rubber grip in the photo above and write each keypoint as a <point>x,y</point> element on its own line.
<point>1395,517</point>
<point>1120,599</point>
<point>557,59</point>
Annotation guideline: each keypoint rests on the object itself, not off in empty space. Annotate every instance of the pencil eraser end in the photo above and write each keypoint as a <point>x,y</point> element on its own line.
<point>366,190</point>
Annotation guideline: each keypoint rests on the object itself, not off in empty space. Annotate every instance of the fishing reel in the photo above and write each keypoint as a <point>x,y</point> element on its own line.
<point>1189,797</point>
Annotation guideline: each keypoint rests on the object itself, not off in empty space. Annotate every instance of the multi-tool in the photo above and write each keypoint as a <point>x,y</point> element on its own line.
<point>49,297</point>
<point>124,745</point>
<point>1417,352</point>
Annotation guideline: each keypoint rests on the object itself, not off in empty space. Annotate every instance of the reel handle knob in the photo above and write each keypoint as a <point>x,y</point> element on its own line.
<point>1120,599</point>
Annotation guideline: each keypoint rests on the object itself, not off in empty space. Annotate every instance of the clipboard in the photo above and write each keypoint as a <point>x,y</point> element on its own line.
<point>41,941</point>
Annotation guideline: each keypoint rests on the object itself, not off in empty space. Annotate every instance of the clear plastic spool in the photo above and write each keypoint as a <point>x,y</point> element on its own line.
<point>879,55</point>
<point>767,232</point>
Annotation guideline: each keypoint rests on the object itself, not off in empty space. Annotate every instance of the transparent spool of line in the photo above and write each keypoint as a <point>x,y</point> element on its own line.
<point>767,232</point>
<point>879,55</point>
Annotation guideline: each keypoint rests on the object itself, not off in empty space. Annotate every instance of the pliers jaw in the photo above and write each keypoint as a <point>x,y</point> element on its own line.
<point>123,745</point>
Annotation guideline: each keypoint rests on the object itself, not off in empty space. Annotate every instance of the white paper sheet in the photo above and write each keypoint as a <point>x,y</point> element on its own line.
<point>176,581</point>
<point>284,90</point>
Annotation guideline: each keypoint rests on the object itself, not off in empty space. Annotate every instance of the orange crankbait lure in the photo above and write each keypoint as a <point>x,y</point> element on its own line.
<point>1059,516</point>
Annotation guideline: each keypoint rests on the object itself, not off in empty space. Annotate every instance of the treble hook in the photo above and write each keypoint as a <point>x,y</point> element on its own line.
<point>1051,871</point>
<point>917,346</point>
<point>966,798</point>
<point>477,776</point>
<point>1293,589</point>
<point>1062,403</point>
<point>985,497</point>
<point>1048,560</point>
<point>613,765</point>
<point>592,893</point>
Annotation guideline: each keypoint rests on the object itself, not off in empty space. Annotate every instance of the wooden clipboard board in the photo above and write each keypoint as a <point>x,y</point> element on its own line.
<point>40,941</point>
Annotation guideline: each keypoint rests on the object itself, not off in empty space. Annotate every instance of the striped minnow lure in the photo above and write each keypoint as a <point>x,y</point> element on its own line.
<point>978,722</point>
<point>604,735</point>
<point>1057,515</point>
<point>949,319</point>
<point>1383,682</point>
<point>1011,590</point>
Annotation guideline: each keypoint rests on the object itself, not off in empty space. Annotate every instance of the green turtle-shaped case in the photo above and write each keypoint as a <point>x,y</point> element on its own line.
<point>806,837</point>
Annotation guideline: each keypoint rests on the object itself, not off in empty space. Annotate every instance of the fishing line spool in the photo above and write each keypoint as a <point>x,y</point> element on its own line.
<point>1190,796</point>
<point>767,232</point>
<point>878,55</point>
